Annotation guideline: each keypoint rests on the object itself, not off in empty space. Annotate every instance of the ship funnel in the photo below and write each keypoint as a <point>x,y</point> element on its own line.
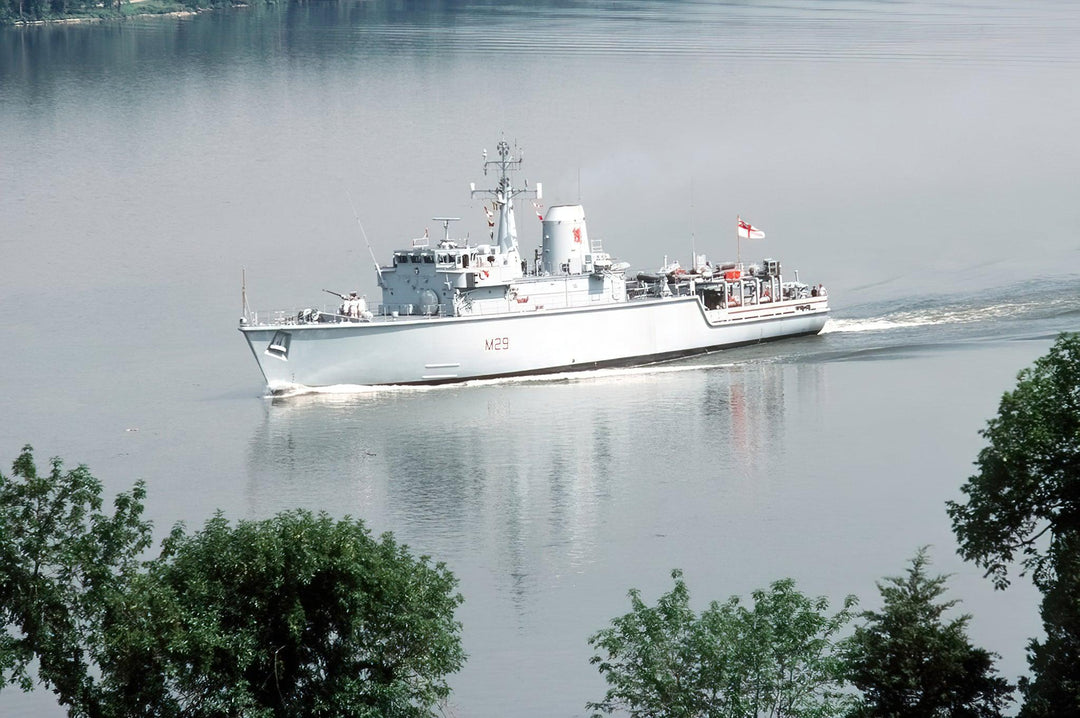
<point>566,241</point>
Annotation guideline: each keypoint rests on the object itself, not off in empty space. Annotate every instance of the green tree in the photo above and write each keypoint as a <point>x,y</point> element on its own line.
<point>1024,502</point>
<point>775,658</point>
<point>1023,506</point>
<point>295,615</point>
<point>909,661</point>
<point>301,615</point>
<point>62,559</point>
<point>1055,660</point>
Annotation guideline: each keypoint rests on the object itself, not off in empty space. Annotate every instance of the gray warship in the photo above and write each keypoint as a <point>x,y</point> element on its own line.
<point>452,311</point>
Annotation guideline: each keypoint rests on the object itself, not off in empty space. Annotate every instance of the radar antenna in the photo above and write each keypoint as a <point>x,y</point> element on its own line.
<point>446,225</point>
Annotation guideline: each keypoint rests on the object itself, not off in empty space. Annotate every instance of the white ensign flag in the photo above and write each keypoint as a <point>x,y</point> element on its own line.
<point>749,231</point>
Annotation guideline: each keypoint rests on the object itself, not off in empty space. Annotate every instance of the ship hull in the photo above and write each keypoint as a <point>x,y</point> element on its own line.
<point>454,349</point>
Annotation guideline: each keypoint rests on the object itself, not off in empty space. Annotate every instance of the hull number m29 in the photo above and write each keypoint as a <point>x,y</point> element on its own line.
<point>497,344</point>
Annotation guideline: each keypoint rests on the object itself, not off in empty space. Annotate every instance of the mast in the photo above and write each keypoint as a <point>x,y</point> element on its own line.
<point>504,193</point>
<point>245,315</point>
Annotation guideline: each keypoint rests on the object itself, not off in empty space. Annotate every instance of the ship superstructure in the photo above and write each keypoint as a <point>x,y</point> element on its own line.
<point>453,311</point>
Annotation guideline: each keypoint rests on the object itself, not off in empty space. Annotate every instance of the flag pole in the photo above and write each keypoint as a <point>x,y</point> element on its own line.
<point>693,245</point>
<point>738,239</point>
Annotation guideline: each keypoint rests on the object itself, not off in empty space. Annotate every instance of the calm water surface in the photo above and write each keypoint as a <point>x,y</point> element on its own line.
<point>918,158</point>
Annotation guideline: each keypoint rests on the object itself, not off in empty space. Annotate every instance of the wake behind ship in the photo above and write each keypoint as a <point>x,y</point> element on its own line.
<point>452,311</point>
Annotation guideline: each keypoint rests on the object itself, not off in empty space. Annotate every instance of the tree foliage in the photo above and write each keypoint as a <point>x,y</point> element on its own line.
<point>295,615</point>
<point>1023,506</point>
<point>302,615</point>
<point>1024,502</point>
<point>773,658</point>
<point>62,560</point>
<point>1054,689</point>
<point>908,660</point>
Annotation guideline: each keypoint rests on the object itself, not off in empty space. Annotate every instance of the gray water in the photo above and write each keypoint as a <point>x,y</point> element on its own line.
<point>918,158</point>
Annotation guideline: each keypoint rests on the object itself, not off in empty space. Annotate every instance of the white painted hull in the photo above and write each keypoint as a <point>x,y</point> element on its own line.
<point>448,349</point>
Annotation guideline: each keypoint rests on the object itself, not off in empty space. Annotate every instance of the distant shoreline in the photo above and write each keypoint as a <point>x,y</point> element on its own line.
<point>99,18</point>
<point>129,9</point>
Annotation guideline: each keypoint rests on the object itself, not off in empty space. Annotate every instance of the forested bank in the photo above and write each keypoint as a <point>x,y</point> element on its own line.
<point>27,12</point>
<point>15,12</point>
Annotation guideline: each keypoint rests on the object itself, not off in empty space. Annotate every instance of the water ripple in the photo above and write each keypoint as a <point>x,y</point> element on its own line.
<point>993,33</point>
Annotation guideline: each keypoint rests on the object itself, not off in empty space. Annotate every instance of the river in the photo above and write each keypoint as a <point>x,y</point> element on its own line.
<point>917,158</point>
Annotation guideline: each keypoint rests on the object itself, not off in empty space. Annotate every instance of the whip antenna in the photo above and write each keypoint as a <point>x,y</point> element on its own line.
<point>246,311</point>
<point>360,224</point>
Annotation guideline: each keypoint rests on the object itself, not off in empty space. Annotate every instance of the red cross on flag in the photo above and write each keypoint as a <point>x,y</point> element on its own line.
<point>749,231</point>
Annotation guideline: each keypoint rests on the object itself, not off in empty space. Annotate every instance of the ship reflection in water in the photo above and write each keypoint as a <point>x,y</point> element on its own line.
<point>527,479</point>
